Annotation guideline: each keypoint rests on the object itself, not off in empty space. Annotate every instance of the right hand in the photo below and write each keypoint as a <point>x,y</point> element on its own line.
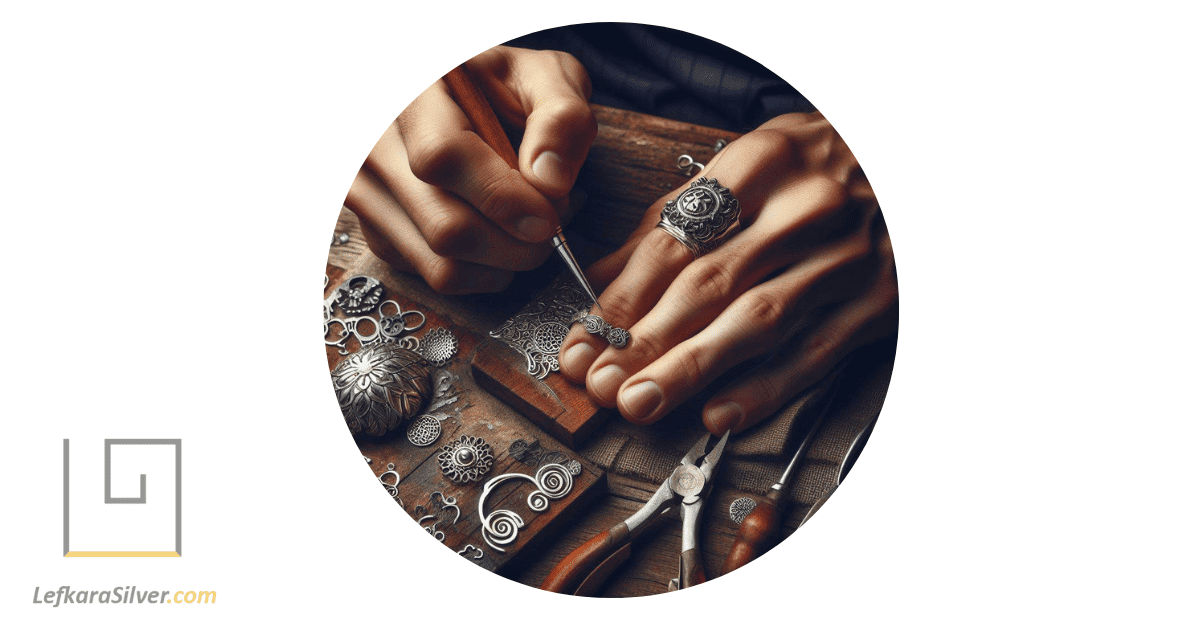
<point>434,199</point>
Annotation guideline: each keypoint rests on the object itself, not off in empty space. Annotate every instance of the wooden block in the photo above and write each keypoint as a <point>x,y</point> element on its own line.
<point>553,404</point>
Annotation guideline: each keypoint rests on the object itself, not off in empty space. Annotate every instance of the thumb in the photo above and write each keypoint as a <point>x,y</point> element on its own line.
<point>553,89</point>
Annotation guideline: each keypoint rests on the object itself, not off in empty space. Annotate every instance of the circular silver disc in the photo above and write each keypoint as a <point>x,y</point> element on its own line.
<point>740,508</point>
<point>687,481</point>
<point>424,431</point>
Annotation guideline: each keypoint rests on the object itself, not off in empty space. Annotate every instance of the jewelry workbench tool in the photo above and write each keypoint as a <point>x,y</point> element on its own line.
<point>584,570</point>
<point>701,216</point>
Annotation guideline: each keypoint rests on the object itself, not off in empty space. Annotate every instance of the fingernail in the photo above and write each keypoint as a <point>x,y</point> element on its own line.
<point>534,229</point>
<point>641,400</point>
<point>605,382</point>
<point>724,417</point>
<point>578,358</point>
<point>551,171</point>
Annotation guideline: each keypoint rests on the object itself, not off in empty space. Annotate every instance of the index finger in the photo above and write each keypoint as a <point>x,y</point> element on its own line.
<point>444,151</point>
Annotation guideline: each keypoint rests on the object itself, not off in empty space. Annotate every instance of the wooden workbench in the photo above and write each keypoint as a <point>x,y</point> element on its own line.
<point>632,163</point>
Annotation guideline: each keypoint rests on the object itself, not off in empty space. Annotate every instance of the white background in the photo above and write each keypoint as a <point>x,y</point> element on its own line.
<point>100,527</point>
<point>171,177</point>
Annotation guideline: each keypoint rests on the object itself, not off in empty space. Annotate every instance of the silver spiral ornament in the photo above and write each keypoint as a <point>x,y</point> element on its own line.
<point>553,481</point>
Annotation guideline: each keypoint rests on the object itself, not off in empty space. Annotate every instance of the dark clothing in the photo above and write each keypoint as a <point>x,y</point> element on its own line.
<point>672,74</point>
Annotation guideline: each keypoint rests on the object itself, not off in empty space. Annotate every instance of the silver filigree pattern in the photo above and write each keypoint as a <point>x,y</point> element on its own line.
<point>438,346</point>
<point>466,459</point>
<point>741,507</point>
<point>359,295</point>
<point>424,430</point>
<point>380,387</point>
<point>392,487</point>
<point>538,330</point>
<point>501,527</point>
<point>593,324</point>
<point>701,215</point>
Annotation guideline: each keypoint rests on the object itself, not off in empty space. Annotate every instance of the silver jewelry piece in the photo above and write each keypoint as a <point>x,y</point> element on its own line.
<point>538,330</point>
<point>380,387</point>
<point>391,488</point>
<point>438,346</point>
<point>532,454</point>
<point>397,323</point>
<point>466,459</point>
<point>685,163</point>
<point>553,481</point>
<point>425,430</point>
<point>740,508</point>
<point>615,336</point>
<point>359,294</point>
<point>701,216</point>
<point>471,548</point>
<point>432,530</point>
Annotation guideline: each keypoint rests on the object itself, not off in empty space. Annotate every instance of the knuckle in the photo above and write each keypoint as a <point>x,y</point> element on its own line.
<point>437,160</point>
<point>763,310</point>
<point>575,117</point>
<point>495,195</point>
<point>771,146</point>
<point>440,274</point>
<point>448,234</point>
<point>764,390</point>
<point>620,307</point>
<point>708,281</point>
<point>689,363</point>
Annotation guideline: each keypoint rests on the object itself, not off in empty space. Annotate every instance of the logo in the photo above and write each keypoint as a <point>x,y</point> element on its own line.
<point>146,525</point>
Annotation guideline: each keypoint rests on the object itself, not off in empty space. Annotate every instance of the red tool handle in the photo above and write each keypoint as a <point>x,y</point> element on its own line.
<point>571,571</point>
<point>757,532</point>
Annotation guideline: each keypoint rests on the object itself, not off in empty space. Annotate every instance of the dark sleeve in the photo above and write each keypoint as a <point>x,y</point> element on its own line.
<point>672,74</point>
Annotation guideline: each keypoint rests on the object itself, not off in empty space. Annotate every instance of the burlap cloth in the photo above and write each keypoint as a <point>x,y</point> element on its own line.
<point>846,401</point>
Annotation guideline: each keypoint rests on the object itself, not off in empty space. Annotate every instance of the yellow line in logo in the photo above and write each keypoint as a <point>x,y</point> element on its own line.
<point>122,555</point>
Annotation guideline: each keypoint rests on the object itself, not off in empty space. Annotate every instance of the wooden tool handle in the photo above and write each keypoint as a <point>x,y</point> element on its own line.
<point>568,574</point>
<point>691,569</point>
<point>755,535</point>
<point>479,112</point>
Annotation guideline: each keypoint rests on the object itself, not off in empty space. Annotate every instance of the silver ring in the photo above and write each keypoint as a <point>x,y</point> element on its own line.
<point>615,336</point>
<point>701,216</point>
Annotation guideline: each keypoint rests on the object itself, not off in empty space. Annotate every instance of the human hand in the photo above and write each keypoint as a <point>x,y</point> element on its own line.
<point>808,278</point>
<point>434,199</point>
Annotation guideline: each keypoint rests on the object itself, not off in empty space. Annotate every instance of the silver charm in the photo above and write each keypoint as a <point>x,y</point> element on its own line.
<point>466,459</point>
<point>392,488</point>
<point>740,508</point>
<point>701,215</point>
<point>466,551</point>
<point>501,527</point>
<point>615,336</point>
<point>425,430</point>
<point>532,454</point>
<point>438,346</point>
<point>686,164</point>
<point>399,322</point>
<point>359,294</point>
<point>437,498</point>
<point>380,387</point>
<point>538,330</point>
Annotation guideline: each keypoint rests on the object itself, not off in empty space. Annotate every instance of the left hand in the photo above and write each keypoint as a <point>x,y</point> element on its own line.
<point>812,244</point>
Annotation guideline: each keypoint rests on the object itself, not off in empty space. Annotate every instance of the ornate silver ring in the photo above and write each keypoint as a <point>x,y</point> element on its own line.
<point>701,216</point>
<point>614,336</point>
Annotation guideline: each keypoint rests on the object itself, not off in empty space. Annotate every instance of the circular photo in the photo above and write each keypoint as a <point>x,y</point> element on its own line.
<point>610,310</point>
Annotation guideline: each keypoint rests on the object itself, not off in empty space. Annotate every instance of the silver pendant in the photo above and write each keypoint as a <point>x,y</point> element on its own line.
<point>466,459</point>
<point>359,295</point>
<point>425,430</point>
<point>380,387</point>
<point>438,346</point>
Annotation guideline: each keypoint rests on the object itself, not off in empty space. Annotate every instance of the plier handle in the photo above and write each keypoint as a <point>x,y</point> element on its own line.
<point>585,569</point>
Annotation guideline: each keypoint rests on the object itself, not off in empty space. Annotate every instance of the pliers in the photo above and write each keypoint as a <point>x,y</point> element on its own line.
<point>585,569</point>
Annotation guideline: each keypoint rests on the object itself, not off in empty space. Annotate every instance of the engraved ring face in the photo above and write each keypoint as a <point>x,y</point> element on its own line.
<point>701,216</point>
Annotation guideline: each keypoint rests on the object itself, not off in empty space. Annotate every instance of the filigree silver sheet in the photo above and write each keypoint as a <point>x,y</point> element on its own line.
<point>538,330</point>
